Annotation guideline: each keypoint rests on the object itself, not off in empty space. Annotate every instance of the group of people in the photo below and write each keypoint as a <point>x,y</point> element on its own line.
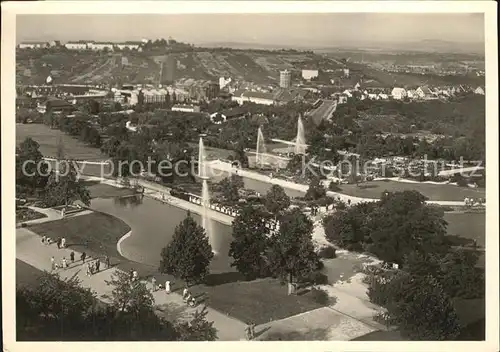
<point>61,242</point>
<point>472,202</point>
<point>94,267</point>
<point>160,287</point>
<point>188,298</point>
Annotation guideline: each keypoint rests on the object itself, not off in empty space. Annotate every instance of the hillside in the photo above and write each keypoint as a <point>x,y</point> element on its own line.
<point>251,65</point>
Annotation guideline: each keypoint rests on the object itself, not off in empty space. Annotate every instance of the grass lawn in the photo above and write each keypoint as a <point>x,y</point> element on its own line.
<point>258,301</point>
<point>468,226</point>
<point>48,140</point>
<point>95,233</point>
<point>26,214</point>
<point>374,189</point>
<point>26,275</point>
<point>101,190</point>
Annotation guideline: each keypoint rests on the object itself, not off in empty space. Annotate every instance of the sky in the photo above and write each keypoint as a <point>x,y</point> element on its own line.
<point>268,29</point>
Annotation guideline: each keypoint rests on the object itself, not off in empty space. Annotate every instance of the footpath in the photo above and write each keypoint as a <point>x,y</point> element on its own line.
<point>32,251</point>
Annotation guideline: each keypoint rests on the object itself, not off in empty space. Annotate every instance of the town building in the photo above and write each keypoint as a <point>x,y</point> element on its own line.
<point>424,92</point>
<point>412,94</point>
<point>223,82</point>
<point>128,45</point>
<point>58,105</point>
<point>309,74</point>
<point>223,116</point>
<point>398,93</point>
<point>98,46</point>
<point>80,45</point>
<point>285,79</point>
<point>241,96</point>
<point>186,108</point>
<point>33,45</point>
<point>479,90</point>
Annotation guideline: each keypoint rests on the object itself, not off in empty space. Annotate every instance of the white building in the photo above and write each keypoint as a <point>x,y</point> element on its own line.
<point>97,46</point>
<point>285,79</point>
<point>398,93</point>
<point>424,92</point>
<point>309,74</point>
<point>241,96</point>
<point>383,96</point>
<point>223,82</point>
<point>76,46</point>
<point>130,46</point>
<point>479,90</point>
<point>412,94</point>
<point>186,108</point>
<point>33,45</point>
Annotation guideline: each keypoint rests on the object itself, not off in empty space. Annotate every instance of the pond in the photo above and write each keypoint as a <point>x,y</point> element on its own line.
<point>153,224</point>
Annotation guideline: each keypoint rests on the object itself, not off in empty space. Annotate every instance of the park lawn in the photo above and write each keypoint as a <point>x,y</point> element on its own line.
<point>102,190</point>
<point>49,139</point>
<point>469,226</point>
<point>374,189</point>
<point>258,301</point>
<point>95,233</point>
<point>27,214</point>
<point>26,275</point>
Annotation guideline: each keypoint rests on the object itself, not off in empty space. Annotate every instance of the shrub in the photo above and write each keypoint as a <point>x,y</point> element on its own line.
<point>327,252</point>
<point>334,187</point>
<point>320,296</point>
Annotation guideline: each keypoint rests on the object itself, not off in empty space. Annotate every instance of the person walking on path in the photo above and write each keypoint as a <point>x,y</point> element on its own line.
<point>43,239</point>
<point>97,265</point>
<point>135,275</point>
<point>52,263</point>
<point>59,242</point>
<point>64,263</point>
<point>83,256</point>
<point>252,331</point>
<point>88,270</point>
<point>167,287</point>
<point>185,293</point>
<point>48,241</point>
<point>248,332</point>
<point>72,256</point>
<point>108,265</point>
<point>153,282</point>
<point>63,242</point>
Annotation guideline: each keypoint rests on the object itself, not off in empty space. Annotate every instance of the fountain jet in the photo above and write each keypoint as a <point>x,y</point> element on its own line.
<point>206,221</point>
<point>260,149</point>
<point>300,140</point>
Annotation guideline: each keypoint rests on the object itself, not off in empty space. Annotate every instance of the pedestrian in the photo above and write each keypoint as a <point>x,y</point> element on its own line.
<point>131,274</point>
<point>252,330</point>
<point>59,242</point>
<point>72,256</point>
<point>88,270</point>
<point>135,275</point>
<point>185,293</point>
<point>167,287</point>
<point>153,281</point>
<point>63,242</point>
<point>248,333</point>
<point>97,265</point>
<point>64,263</point>
<point>48,241</point>
<point>43,239</point>
<point>108,265</point>
<point>52,263</point>
<point>83,256</point>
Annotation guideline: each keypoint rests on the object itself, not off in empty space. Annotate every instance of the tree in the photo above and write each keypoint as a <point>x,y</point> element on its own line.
<point>418,305</point>
<point>241,156</point>
<point>64,187</point>
<point>277,200</point>
<point>189,254</point>
<point>292,253</point>
<point>229,189</point>
<point>250,242</point>
<point>198,328</point>
<point>31,169</point>
<point>316,190</point>
<point>130,296</point>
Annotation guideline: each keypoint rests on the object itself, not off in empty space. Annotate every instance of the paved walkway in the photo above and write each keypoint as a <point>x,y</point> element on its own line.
<point>30,250</point>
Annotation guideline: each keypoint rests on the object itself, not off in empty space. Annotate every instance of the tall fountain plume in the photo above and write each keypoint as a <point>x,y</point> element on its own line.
<point>260,149</point>
<point>206,221</point>
<point>300,141</point>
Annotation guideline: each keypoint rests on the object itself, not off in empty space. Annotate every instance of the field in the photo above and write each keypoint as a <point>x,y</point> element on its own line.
<point>470,226</point>
<point>26,275</point>
<point>374,189</point>
<point>93,233</point>
<point>48,140</point>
